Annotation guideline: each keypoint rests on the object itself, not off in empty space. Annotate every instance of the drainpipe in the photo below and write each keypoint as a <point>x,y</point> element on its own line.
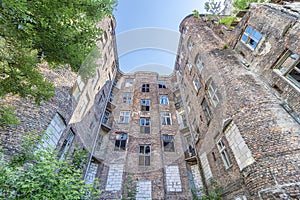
<point>99,127</point>
<point>193,139</point>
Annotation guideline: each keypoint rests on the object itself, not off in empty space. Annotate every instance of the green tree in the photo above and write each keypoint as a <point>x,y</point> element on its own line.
<point>41,175</point>
<point>58,32</point>
<point>243,4</point>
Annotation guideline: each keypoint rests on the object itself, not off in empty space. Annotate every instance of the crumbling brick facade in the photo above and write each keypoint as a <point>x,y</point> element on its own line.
<point>229,112</point>
<point>247,118</point>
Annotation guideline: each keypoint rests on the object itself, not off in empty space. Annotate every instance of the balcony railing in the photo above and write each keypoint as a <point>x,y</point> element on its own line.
<point>178,104</point>
<point>183,127</point>
<point>107,123</point>
<point>190,155</point>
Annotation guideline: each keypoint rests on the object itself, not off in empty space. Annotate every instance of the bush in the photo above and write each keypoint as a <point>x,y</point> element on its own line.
<point>41,175</point>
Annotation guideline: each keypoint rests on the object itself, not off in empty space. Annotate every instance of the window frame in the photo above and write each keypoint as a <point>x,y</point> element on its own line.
<point>161,84</point>
<point>127,97</point>
<point>285,71</point>
<point>124,114</point>
<point>213,93</point>
<point>145,125</point>
<point>145,87</point>
<point>65,147</point>
<point>163,100</point>
<point>106,117</point>
<point>166,119</point>
<point>199,63</point>
<point>224,153</point>
<point>129,82</point>
<point>206,110</point>
<point>250,37</point>
<point>142,156</point>
<point>197,84</point>
<point>168,141</point>
<point>120,141</point>
<point>145,105</point>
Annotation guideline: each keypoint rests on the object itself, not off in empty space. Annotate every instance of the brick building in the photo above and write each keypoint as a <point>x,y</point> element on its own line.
<point>229,112</point>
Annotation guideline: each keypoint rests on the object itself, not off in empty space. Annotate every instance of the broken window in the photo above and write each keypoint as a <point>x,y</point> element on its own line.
<point>162,84</point>
<point>145,125</point>
<point>165,118</point>
<point>289,66</point>
<point>106,118</point>
<point>213,93</point>
<point>145,105</point>
<point>197,84</point>
<point>163,99</point>
<point>251,37</point>
<point>66,145</point>
<point>168,143</point>
<point>129,82</point>
<point>144,155</point>
<point>120,143</point>
<point>53,132</point>
<point>124,117</point>
<point>206,110</point>
<point>127,97</point>
<point>146,88</point>
<point>224,153</point>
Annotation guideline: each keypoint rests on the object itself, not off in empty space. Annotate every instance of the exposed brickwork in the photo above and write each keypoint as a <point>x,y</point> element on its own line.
<point>246,98</point>
<point>228,114</point>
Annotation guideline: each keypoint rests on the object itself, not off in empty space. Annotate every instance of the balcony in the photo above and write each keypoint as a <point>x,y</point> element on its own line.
<point>110,104</point>
<point>190,155</point>
<point>107,121</point>
<point>178,104</point>
<point>183,127</point>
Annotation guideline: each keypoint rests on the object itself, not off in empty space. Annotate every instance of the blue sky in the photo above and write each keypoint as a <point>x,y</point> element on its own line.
<point>148,32</point>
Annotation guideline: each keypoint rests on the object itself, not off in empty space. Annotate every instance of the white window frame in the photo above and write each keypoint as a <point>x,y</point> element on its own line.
<point>127,97</point>
<point>145,87</point>
<point>169,140</point>
<point>249,33</point>
<point>213,93</point>
<point>53,132</point>
<point>145,122</point>
<point>199,63</point>
<point>292,60</point>
<point>66,145</point>
<point>143,155</point>
<point>166,119</point>
<point>124,117</point>
<point>224,153</point>
<point>120,142</point>
<point>161,84</point>
<point>145,103</point>
<point>163,99</point>
<point>196,84</point>
<point>129,82</point>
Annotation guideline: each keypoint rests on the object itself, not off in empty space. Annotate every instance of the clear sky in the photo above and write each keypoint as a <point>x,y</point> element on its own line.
<point>148,32</point>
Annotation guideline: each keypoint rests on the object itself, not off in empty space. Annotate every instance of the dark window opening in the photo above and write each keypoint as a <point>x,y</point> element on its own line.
<point>146,88</point>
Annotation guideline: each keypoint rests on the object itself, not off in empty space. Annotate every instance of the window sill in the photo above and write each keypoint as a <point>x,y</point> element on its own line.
<point>291,83</point>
